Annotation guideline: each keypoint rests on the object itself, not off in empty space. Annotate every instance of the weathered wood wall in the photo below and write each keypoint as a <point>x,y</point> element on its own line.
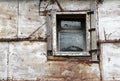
<point>23,55</point>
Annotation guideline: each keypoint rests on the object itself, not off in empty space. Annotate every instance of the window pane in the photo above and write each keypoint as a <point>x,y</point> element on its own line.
<point>70,24</point>
<point>72,41</point>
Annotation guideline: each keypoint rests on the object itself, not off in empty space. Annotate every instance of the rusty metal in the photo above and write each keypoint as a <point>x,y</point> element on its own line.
<point>22,39</point>
<point>93,50</point>
<point>109,41</point>
<point>90,12</point>
<point>91,29</point>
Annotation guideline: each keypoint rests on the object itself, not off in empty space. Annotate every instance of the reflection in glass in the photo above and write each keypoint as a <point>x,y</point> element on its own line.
<point>72,41</point>
<point>70,24</point>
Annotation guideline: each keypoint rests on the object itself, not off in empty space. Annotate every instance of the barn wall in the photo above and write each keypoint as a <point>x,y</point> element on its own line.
<point>23,59</point>
<point>109,31</point>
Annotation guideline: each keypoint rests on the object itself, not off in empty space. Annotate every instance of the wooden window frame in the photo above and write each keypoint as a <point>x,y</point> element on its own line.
<point>54,36</point>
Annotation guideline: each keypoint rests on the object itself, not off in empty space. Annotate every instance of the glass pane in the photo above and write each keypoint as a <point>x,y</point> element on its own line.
<point>70,24</point>
<point>72,41</point>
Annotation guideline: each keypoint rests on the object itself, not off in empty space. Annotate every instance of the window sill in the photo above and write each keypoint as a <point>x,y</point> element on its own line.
<point>82,54</point>
<point>86,60</point>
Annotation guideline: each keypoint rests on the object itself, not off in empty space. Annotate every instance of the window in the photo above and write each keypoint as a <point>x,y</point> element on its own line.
<point>71,34</point>
<point>68,34</point>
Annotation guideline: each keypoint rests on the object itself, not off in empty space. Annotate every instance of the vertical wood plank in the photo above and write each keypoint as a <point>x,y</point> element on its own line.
<point>93,33</point>
<point>87,32</point>
<point>49,34</point>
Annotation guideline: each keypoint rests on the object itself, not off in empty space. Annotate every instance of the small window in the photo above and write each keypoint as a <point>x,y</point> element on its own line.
<point>71,33</point>
<point>70,36</point>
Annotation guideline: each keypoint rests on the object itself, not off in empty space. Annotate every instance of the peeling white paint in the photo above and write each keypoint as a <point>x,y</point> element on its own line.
<point>110,61</point>
<point>3,60</point>
<point>30,21</point>
<point>8,19</point>
<point>109,29</point>
<point>27,60</point>
<point>109,19</point>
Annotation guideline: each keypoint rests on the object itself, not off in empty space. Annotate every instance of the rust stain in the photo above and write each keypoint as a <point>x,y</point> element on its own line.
<point>22,39</point>
<point>9,14</point>
<point>10,18</point>
<point>71,71</point>
<point>27,43</point>
<point>35,5</point>
<point>12,15</point>
<point>29,18</point>
<point>55,79</point>
<point>71,64</point>
<point>109,59</point>
<point>109,41</point>
<point>82,60</point>
<point>3,30</point>
<point>113,78</point>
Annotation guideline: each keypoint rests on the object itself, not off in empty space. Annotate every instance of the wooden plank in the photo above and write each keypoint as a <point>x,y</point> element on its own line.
<point>49,34</point>
<point>93,33</point>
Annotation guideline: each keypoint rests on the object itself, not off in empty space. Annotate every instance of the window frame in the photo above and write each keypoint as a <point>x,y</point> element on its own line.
<point>54,35</point>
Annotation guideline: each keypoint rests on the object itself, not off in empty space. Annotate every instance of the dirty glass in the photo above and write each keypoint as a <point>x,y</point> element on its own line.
<point>71,33</point>
<point>71,41</point>
<point>70,24</point>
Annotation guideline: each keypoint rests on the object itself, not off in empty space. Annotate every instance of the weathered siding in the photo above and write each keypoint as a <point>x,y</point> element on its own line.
<point>3,60</point>
<point>8,18</point>
<point>25,60</point>
<point>109,30</point>
<point>30,21</point>
<point>28,60</point>
<point>109,20</point>
<point>110,59</point>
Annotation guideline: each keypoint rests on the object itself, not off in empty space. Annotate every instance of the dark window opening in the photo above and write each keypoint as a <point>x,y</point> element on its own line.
<point>71,32</point>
